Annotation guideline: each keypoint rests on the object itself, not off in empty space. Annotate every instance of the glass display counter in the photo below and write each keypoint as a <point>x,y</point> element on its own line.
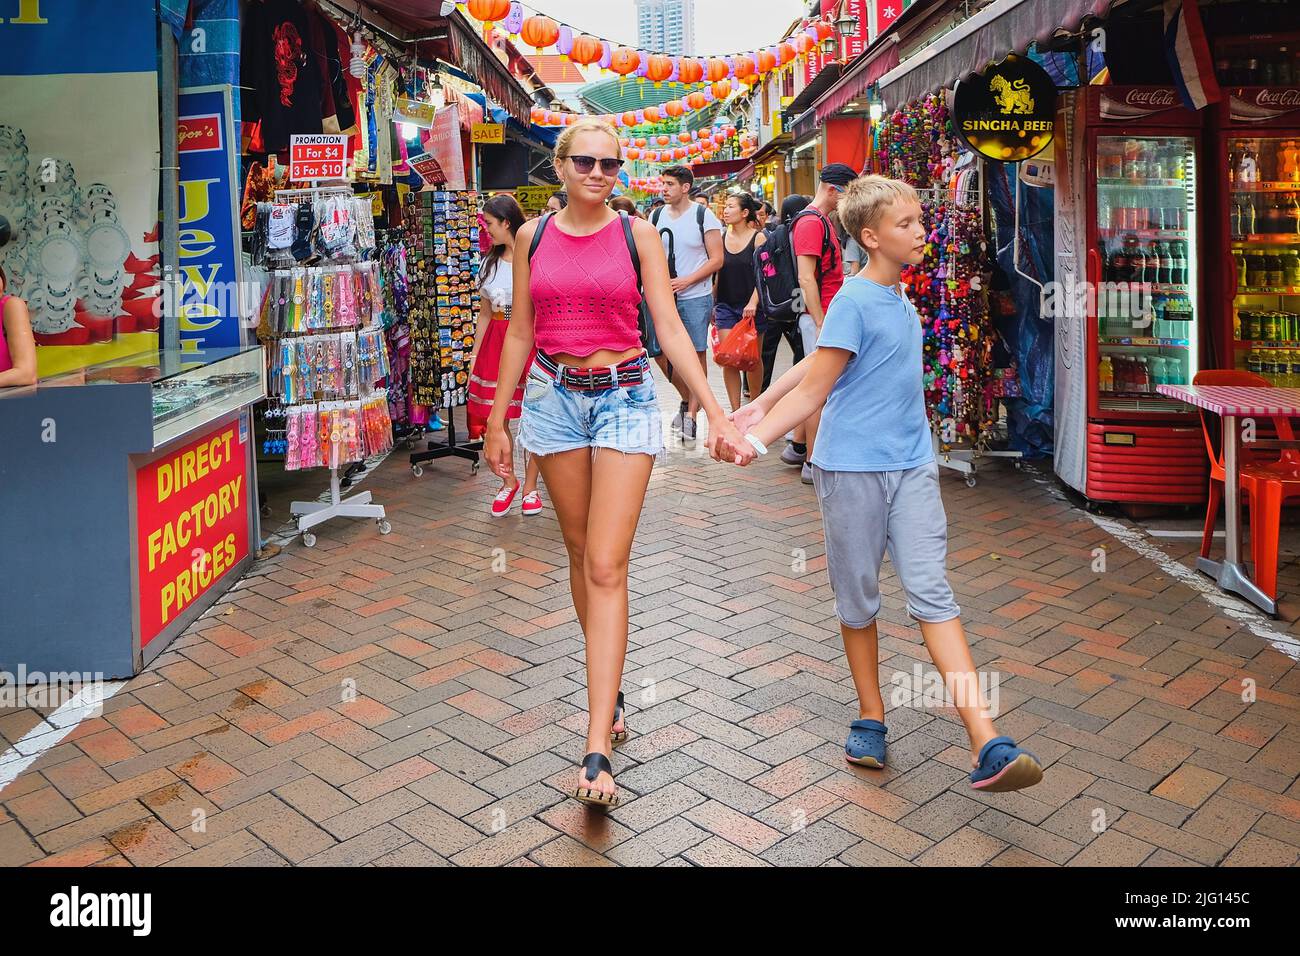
<point>131,488</point>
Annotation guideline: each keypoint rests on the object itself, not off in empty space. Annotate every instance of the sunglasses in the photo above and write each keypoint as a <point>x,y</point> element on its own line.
<point>585,164</point>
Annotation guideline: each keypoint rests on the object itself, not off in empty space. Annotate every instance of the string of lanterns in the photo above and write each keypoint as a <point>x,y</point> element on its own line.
<point>690,145</point>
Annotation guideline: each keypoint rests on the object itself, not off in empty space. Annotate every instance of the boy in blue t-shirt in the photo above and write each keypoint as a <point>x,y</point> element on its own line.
<point>877,480</point>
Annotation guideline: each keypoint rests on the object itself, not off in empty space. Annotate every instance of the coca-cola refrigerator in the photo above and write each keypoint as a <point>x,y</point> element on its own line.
<point>1256,234</point>
<point>1136,201</point>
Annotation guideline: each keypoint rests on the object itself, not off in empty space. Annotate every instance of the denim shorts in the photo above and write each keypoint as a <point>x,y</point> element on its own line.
<point>695,315</point>
<point>727,317</point>
<point>557,419</point>
<point>865,514</point>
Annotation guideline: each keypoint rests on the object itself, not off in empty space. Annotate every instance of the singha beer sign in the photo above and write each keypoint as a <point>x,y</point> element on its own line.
<point>1007,112</point>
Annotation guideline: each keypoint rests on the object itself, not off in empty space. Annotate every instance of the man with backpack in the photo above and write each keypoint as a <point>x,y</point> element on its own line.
<point>801,269</point>
<point>692,238</point>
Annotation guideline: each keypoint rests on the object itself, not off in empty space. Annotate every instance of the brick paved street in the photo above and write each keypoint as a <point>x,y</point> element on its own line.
<point>469,713</point>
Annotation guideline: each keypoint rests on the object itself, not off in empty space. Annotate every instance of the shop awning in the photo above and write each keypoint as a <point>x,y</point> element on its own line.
<point>719,168</point>
<point>870,67</point>
<point>773,145</point>
<point>451,39</point>
<point>823,81</point>
<point>1005,26</point>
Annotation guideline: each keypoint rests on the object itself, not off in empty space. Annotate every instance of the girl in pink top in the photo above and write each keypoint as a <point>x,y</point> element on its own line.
<point>590,388</point>
<point>17,346</point>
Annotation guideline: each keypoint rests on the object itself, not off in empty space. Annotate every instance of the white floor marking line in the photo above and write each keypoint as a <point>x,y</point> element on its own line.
<point>1241,612</point>
<point>57,724</point>
<point>1179,534</point>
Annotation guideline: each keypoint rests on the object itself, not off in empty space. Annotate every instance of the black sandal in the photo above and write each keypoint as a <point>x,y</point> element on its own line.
<point>618,736</point>
<point>594,764</point>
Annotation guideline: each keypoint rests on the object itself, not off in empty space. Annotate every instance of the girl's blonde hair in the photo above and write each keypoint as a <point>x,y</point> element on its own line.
<point>564,144</point>
<point>866,199</point>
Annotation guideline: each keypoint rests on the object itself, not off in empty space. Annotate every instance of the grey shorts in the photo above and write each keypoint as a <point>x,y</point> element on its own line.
<point>867,513</point>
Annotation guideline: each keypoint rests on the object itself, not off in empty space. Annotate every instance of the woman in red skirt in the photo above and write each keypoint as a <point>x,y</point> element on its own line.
<point>502,217</point>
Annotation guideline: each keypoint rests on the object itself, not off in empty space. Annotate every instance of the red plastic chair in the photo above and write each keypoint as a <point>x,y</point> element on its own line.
<point>1266,481</point>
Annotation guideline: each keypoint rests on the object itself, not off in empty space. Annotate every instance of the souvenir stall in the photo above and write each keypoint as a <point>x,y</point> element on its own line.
<point>321,321</point>
<point>964,385</point>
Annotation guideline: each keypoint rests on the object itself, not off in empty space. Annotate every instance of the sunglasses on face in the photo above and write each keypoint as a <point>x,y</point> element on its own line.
<point>585,164</point>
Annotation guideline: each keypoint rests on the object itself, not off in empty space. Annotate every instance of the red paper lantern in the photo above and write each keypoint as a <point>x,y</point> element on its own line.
<point>489,11</point>
<point>624,61</point>
<point>679,152</point>
<point>693,149</point>
<point>586,50</point>
<point>658,68</point>
<point>730,131</point>
<point>717,69</point>
<point>824,30</point>
<point>785,52</point>
<point>629,118</point>
<point>633,154</point>
<point>690,70</point>
<point>803,43</point>
<point>719,138</point>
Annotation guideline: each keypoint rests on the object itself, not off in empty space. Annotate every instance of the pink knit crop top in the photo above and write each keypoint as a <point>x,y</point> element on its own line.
<point>584,292</point>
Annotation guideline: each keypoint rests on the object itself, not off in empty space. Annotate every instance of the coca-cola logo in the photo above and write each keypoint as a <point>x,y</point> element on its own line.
<point>1151,97</point>
<point>1284,97</point>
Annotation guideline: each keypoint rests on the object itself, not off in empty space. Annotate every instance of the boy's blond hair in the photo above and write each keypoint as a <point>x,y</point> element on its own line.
<point>866,199</point>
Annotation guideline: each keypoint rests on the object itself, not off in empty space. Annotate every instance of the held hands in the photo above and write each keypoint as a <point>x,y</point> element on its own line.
<point>726,443</point>
<point>498,450</point>
<point>746,417</point>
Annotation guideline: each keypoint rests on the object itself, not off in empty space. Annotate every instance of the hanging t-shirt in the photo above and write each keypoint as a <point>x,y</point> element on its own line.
<point>689,251</point>
<point>279,72</point>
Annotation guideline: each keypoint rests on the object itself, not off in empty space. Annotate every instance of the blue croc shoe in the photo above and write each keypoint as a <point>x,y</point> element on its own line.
<point>1004,766</point>
<point>866,744</point>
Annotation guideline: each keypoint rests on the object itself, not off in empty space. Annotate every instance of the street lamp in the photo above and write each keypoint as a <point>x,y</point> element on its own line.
<point>847,24</point>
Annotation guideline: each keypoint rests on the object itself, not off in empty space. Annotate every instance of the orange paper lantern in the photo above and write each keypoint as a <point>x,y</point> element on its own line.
<point>633,154</point>
<point>641,141</point>
<point>697,101</point>
<point>683,137</point>
<point>744,67</point>
<point>717,69</point>
<point>663,139</point>
<point>785,52</point>
<point>539,32</point>
<point>624,61</point>
<point>652,114</point>
<point>722,89</point>
<point>674,108</point>
<point>803,43</point>
<point>488,11</point>
<point>586,50</point>
<point>690,70</point>
<point>629,118</point>
<point>766,62</point>
<point>658,68</point>
<point>824,30</point>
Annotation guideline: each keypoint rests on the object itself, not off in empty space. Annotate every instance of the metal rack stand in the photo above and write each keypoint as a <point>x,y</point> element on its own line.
<point>448,449</point>
<point>311,513</point>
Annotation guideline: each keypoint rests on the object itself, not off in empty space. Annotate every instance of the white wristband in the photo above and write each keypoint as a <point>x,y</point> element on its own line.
<point>758,445</point>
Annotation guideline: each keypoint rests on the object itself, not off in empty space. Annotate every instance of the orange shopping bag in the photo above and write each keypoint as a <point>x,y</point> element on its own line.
<point>739,349</point>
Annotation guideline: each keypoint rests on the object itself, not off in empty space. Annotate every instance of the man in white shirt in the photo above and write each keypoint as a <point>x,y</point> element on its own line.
<point>692,237</point>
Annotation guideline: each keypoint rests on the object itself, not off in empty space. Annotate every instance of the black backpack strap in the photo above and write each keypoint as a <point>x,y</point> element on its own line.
<point>631,247</point>
<point>654,216</point>
<point>537,236</point>
<point>699,221</point>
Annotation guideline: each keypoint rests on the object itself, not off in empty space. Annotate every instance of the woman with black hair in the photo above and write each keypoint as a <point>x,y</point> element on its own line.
<point>735,290</point>
<point>502,217</point>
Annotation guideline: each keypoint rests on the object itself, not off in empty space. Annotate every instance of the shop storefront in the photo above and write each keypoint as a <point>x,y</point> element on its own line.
<point>307,288</point>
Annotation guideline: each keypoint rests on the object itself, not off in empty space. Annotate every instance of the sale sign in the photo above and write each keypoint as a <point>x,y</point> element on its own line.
<point>487,133</point>
<point>317,156</point>
<point>191,523</point>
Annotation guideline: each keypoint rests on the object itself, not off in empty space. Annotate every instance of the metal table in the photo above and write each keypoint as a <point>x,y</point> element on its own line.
<point>1232,403</point>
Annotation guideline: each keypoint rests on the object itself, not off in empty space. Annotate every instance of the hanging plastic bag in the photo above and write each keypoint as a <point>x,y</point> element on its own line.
<point>739,348</point>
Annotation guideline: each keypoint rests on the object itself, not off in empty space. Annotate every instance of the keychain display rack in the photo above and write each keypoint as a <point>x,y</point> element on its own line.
<point>322,313</point>
<point>443,227</point>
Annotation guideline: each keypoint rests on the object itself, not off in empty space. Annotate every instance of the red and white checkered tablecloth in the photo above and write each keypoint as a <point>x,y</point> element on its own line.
<point>1237,400</point>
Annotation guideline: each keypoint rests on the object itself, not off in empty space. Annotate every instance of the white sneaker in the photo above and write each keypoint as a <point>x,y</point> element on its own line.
<point>789,436</point>
<point>805,474</point>
<point>790,456</point>
<point>677,419</point>
<point>688,428</point>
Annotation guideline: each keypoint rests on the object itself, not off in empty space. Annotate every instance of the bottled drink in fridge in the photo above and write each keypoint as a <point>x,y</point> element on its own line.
<point>1106,375</point>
